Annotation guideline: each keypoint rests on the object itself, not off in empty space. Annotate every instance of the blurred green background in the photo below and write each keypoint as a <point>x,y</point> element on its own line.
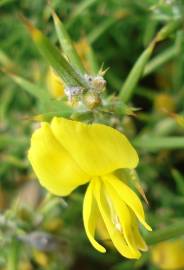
<point>117,31</point>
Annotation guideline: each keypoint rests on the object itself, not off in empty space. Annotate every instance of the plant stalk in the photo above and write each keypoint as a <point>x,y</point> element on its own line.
<point>174,230</point>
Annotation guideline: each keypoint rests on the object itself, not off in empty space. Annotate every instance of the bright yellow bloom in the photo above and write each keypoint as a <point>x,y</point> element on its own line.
<point>169,255</point>
<point>66,154</point>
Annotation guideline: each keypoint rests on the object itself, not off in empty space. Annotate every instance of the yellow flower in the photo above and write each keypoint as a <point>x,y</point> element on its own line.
<point>41,258</point>
<point>66,154</point>
<point>169,255</point>
<point>164,103</point>
<point>82,47</point>
<point>55,84</point>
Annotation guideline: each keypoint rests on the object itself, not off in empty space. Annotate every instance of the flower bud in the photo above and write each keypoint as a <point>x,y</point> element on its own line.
<point>73,92</point>
<point>92,101</point>
<point>96,83</point>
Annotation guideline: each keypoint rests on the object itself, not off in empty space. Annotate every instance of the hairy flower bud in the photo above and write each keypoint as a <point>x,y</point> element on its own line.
<point>92,101</point>
<point>96,83</point>
<point>72,91</point>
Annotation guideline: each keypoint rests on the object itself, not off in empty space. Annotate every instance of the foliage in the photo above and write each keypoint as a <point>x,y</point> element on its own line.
<point>141,44</point>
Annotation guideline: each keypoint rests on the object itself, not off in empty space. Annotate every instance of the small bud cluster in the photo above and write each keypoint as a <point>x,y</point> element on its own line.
<point>90,97</point>
<point>96,83</point>
<point>73,91</point>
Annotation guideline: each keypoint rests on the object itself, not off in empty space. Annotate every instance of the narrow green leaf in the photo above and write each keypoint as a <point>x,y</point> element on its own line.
<point>159,60</point>
<point>167,30</point>
<point>80,8</point>
<point>100,29</point>
<point>157,143</point>
<point>57,108</point>
<point>29,87</point>
<point>165,127</point>
<point>68,74</point>
<point>146,92</point>
<point>106,24</point>
<point>178,70</point>
<point>179,179</point>
<point>47,103</point>
<point>14,255</point>
<point>169,232</point>
<point>66,44</point>
<point>6,96</point>
<point>135,74</point>
<point>149,33</point>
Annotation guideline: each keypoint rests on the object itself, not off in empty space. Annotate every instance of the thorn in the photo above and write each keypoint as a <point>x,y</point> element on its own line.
<point>101,68</point>
<point>102,72</point>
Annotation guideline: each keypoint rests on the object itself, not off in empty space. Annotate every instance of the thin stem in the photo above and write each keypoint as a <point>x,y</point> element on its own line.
<point>174,230</point>
<point>80,8</point>
<point>156,143</point>
<point>13,256</point>
<point>159,60</point>
<point>129,86</point>
<point>98,31</point>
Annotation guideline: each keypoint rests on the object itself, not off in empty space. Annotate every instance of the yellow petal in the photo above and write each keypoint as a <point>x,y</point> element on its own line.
<point>98,149</point>
<point>140,243</point>
<point>129,197</point>
<point>115,235</point>
<point>102,233</point>
<point>124,217</point>
<point>53,165</point>
<point>90,217</point>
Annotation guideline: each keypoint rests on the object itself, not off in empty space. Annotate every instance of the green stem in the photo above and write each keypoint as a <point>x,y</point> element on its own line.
<point>98,31</point>
<point>13,256</point>
<point>135,74</point>
<point>159,60</point>
<point>146,92</point>
<point>80,8</point>
<point>157,143</point>
<point>174,230</point>
<point>129,86</point>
